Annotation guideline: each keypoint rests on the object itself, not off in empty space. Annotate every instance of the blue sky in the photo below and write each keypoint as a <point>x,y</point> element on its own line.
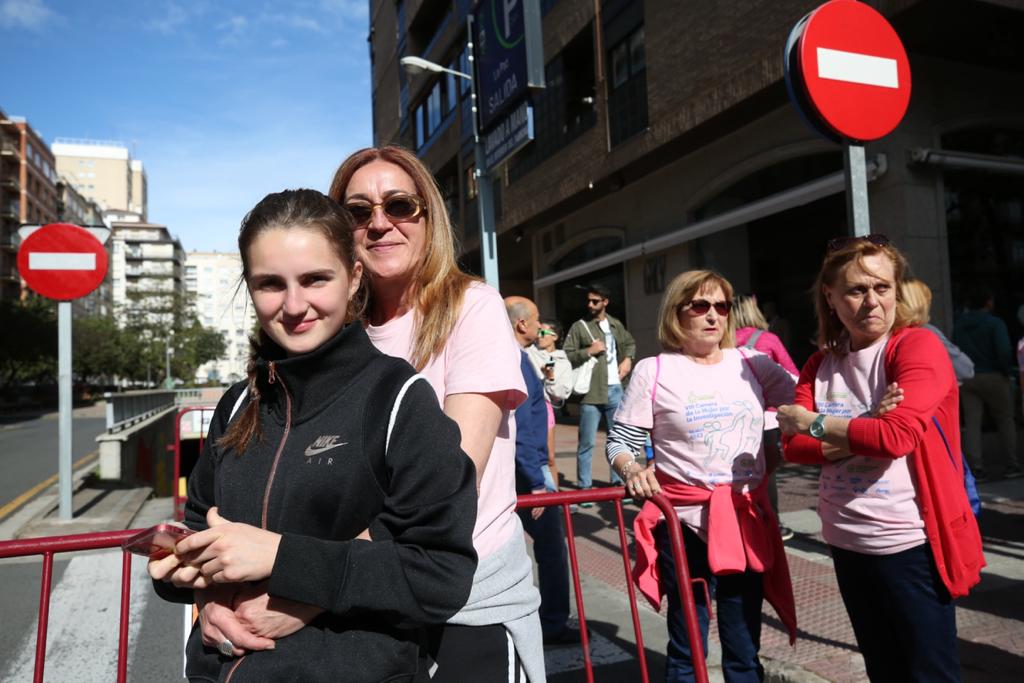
<point>222,101</point>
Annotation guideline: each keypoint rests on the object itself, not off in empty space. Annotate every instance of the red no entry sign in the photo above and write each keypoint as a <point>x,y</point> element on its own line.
<point>854,70</point>
<point>62,261</point>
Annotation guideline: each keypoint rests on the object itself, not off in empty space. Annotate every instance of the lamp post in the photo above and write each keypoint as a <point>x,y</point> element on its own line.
<point>484,195</point>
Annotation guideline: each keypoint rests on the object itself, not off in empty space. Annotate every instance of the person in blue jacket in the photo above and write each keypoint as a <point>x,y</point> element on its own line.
<point>543,524</point>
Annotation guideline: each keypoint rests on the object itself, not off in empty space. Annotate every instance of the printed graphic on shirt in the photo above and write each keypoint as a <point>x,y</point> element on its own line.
<point>314,452</point>
<point>856,475</point>
<point>867,504</point>
<point>730,433</point>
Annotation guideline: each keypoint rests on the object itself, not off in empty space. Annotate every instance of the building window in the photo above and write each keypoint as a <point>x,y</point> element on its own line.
<point>564,110</point>
<point>627,87</point>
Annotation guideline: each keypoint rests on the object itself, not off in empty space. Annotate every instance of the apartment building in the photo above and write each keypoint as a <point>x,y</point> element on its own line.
<point>28,192</point>
<point>212,279</point>
<point>147,268</point>
<point>664,140</point>
<point>76,209</point>
<point>105,172</point>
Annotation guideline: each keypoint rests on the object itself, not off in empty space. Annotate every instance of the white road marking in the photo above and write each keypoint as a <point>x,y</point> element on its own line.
<point>85,608</point>
<point>61,260</point>
<point>853,67</point>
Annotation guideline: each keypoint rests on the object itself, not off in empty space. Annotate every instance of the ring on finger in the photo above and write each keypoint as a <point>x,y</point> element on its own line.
<point>226,648</point>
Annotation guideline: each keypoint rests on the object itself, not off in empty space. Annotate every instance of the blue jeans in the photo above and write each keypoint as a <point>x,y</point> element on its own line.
<point>549,550</point>
<point>738,598</point>
<point>902,615</point>
<point>590,418</point>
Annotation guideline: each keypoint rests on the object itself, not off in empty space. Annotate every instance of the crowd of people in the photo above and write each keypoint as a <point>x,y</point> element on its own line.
<point>355,504</point>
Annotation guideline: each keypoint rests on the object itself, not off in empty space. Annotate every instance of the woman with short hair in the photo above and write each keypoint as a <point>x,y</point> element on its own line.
<point>702,401</point>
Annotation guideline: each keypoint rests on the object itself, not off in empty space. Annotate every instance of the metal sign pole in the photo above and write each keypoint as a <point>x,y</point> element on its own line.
<point>858,218</point>
<point>64,406</point>
<point>484,191</point>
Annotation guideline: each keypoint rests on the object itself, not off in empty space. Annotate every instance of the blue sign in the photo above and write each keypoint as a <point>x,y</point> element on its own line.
<point>508,135</point>
<point>508,53</point>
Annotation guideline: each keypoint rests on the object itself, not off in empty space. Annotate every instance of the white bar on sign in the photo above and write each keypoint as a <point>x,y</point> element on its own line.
<point>852,67</point>
<point>55,260</point>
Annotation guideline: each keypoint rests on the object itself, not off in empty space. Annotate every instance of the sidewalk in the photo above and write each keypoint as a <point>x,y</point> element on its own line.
<point>989,620</point>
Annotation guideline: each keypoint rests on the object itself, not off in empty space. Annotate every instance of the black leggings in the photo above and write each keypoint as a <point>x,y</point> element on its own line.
<point>472,654</point>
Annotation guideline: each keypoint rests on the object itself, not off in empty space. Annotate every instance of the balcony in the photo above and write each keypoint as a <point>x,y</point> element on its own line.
<point>10,184</point>
<point>9,149</point>
<point>11,210</point>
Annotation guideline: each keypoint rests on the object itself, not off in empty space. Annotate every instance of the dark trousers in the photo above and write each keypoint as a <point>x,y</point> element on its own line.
<point>738,599</point>
<point>902,614</point>
<point>549,550</point>
<point>470,654</point>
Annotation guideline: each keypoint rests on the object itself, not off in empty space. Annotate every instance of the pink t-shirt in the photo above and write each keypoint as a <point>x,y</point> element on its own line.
<point>867,505</point>
<point>481,357</point>
<point>706,421</point>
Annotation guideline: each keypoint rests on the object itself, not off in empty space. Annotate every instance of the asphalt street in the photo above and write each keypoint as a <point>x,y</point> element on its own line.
<point>28,450</point>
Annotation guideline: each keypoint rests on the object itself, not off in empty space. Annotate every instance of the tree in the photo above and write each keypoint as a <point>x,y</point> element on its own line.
<point>162,320</point>
<point>28,345</point>
<point>98,349</point>
<point>194,345</point>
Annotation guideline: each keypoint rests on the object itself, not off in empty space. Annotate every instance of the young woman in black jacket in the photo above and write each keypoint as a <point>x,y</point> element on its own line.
<point>331,483</point>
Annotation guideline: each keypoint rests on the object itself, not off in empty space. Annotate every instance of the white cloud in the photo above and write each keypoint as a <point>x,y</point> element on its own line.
<point>234,29</point>
<point>173,18</point>
<point>296,21</point>
<point>347,9</point>
<point>30,14</point>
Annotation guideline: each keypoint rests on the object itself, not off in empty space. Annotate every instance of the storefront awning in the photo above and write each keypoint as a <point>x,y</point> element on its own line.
<point>800,195</point>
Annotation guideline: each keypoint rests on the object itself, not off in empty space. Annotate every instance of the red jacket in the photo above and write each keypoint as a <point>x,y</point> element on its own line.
<point>917,361</point>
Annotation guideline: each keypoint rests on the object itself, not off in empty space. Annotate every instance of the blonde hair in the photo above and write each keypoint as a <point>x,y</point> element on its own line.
<point>832,335</point>
<point>438,285</point>
<point>746,313</point>
<point>681,291</point>
<point>917,301</point>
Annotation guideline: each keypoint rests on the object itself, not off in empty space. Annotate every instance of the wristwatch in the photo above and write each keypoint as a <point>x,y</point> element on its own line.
<point>817,428</point>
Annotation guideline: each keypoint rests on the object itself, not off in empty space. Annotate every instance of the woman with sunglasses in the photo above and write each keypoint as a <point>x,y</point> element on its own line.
<point>454,330</point>
<point>891,497</point>
<point>553,368</point>
<point>702,401</point>
<point>331,487</point>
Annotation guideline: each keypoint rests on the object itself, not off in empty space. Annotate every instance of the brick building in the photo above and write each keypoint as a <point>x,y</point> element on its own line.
<point>28,192</point>
<point>665,141</point>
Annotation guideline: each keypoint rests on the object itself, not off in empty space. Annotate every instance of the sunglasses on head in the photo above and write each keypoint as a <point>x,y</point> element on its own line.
<point>702,306</point>
<point>397,207</point>
<point>837,243</point>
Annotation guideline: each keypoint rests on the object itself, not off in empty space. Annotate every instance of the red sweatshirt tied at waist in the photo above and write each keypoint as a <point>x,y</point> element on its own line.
<point>743,534</point>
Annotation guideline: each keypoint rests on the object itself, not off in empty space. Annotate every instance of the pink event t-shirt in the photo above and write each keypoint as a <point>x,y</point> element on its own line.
<point>481,357</point>
<point>867,505</point>
<point>706,421</point>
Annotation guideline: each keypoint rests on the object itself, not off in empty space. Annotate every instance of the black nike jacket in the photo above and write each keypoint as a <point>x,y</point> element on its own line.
<point>322,471</point>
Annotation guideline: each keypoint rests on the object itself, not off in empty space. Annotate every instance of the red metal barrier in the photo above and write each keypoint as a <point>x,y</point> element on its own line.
<point>179,499</point>
<point>616,494</point>
<point>50,546</point>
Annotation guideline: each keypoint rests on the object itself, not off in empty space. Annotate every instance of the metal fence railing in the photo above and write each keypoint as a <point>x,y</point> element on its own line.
<point>48,547</point>
<point>125,409</point>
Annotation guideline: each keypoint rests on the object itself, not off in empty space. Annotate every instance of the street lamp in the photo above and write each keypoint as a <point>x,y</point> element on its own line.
<point>484,196</point>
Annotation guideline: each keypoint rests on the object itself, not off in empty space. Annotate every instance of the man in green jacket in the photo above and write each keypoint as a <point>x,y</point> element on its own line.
<point>606,339</point>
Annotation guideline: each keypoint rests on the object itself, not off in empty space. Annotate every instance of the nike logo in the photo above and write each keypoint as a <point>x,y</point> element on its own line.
<point>323,444</point>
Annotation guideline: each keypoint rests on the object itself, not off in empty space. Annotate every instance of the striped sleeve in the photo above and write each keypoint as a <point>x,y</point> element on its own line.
<point>626,439</point>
